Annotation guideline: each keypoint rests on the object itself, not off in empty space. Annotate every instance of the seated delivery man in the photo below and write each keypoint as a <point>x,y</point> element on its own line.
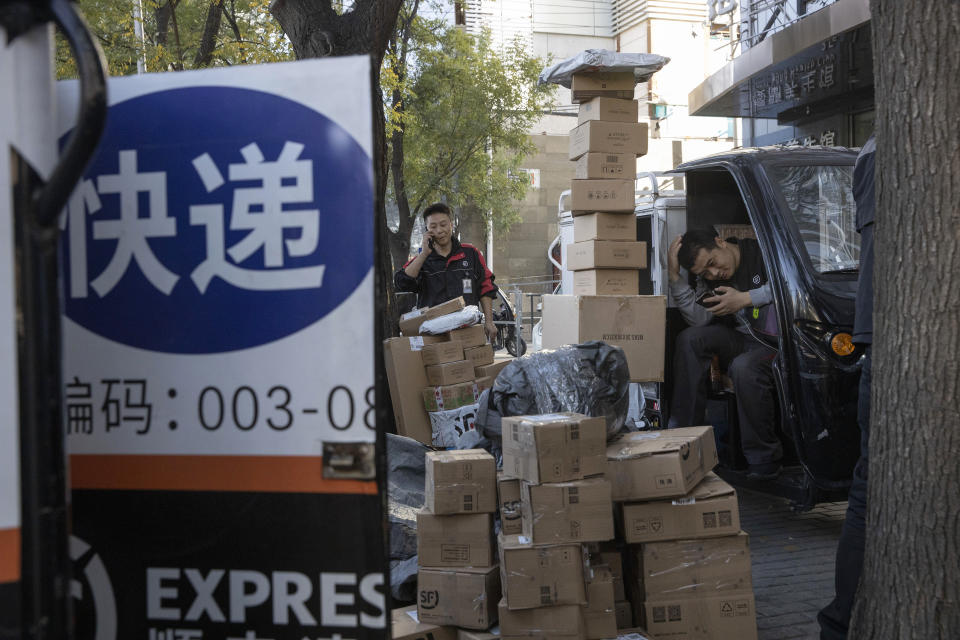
<point>445,268</point>
<point>734,271</point>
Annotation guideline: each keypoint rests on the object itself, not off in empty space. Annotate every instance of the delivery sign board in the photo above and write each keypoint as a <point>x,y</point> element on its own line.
<point>218,310</point>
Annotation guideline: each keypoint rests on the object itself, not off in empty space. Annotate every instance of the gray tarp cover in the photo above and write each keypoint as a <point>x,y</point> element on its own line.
<point>405,475</point>
<point>643,65</point>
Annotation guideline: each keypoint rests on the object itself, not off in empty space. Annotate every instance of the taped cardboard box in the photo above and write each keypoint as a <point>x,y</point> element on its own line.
<point>554,447</point>
<point>624,613</point>
<point>407,627</point>
<point>707,511</point>
<point>460,482</point>
<point>472,336</point>
<point>648,465</point>
<point>455,541</point>
<point>615,84</point>
<point>482,382</point>
<point>541,575</point>
<point>450,373</point>
<point>613,559</point>
<point>599,614</point>
<point>602,225</point>
<point>460,597</point>
<point>451,396</point>
<point>605,166</point>
<point>609,110</point>
<point>588,196</point>
<point>491,370</point>
<point>576,511</point>
<point>455,428</point>
<point>479,356</point>
<point>606,282</point>
<point>410,322</point>
<point>606,254</point>
<point>636,324</point>
<point>595,136</point>
<point>548,623</point>
<point>407,377</point>
<point>441,352</point>
<point>691,569</point>
<point>727,615</point>
<point>511,517</point>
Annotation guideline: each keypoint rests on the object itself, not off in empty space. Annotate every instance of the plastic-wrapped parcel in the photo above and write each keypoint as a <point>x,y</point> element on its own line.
<point>643,65</point>
<point>590,378</point>
<point>466,317</point>
<point>405,473</point>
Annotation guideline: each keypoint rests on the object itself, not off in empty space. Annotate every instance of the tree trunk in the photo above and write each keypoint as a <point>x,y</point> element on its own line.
<point>208,40</point>
<point>910,586</point>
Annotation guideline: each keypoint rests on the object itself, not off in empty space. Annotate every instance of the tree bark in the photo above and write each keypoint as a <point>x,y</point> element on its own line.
<point>208,40</point>
<point>910,586</point>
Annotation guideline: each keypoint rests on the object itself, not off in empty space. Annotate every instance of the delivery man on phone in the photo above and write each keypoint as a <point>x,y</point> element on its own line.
<point>446,268</point>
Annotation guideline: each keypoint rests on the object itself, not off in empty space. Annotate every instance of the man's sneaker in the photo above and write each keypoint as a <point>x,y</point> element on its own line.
<point>764,471</point>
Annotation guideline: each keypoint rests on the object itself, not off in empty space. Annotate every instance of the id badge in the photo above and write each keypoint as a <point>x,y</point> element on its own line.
<point>467,285</point>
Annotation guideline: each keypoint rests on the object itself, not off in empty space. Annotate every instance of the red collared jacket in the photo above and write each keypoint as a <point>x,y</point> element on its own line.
<point>463,273</point>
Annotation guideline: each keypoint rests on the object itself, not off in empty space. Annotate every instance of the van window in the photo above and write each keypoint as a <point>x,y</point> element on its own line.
<point>821,201</point>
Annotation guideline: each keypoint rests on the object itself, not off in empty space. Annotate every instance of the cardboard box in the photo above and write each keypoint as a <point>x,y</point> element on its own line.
<point>595,136</point>
<point>709,510</point>
<point>637,324</point>
<point>589,84</point>
<point>462,481</point>
<point>467,634</point>
<point>577,511</point>
<point>624,613</point>
<point>606,282</point>
<point>647,465</point>
<point>540,575</point>
<point>406,628</point>
<point>472,336</point>
<point>554,447</point>
<point>606,254</point>
<point>455,541</point>
<point>599,614</point>
<point>609,110</point>
<point>727,615</point>
<point>479,356</point>
<point>441,352</point>
<point>604,226</point>
<point>410,322</point>
<point>491,370</point>
<point>483,382</point>
<point>458,597</point>
<point>692,569</point>
<point>451,396</point>
<point>605,166</point>
<point>588,196</point>
<point>407,378</point>
<point>548,623</point>
<point>613,560</point>
<point>450,373</point>
<point>511,517</point>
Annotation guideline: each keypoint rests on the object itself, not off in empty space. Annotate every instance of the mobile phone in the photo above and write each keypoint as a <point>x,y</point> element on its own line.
<point>430,242</point>
<point>709,293</point>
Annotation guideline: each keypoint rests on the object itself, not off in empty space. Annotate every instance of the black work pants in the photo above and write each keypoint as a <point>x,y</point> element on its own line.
<point>749,365</point>
<point>835,617</point>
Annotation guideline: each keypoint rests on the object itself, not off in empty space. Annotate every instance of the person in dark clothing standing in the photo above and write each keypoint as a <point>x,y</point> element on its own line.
<point>732,272</point>
<point>446,268</point>
<point>835,617</point>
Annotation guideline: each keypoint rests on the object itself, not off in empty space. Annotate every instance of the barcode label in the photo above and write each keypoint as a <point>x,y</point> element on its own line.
<point>612,158</point>
<point>574,432</point>
<point>468,503</point>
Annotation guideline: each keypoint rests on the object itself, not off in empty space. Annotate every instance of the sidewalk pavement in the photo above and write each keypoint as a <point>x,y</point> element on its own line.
<point>793,562</point>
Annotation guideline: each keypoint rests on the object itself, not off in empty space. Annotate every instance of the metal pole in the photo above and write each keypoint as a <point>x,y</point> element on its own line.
<point>518,318</point>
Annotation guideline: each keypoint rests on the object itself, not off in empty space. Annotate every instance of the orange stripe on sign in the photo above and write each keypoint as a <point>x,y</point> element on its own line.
<point>9,555</point>
<point>281,474</point>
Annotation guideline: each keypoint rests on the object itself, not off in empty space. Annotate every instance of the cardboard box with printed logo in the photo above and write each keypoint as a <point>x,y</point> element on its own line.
<point>472,336</point>
<point>451,396</point>
<point>606,282</point>
<point>406,378</point>
<point>441,352</point>
<point>596,136</point>
<point>588,196</point>
<point>605,166</point>
<point>449,373</point>
<point>611,84</point>
<point>461,481</point>
<point>609,110</point>
<point>545,623</point>
<point>554,447</point>
<point>483,382</point>
<point>606,254</point>
<point>462,597</point>
<point>726,615</point>
<point>511,517</point>
<point>691,569</point>
<point>410,322</point>
<point>479,356</point>
<point>491,370</point>
<point>405,625</point>
<point>599,614</point>
<point>541,575</point>
<point>575,511</point>
<point>707,511</point>
<point>604,226</point>
<point>455,541</point>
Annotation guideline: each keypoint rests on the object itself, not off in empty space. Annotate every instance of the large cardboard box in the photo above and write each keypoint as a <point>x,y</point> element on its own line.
<point>588,196</point>
<point>410,322</point>
<point>605,166</point>
<point>511,517</point>
<point>606,254</point>
<point>691,569</point>
<point>491,370</point>
<point>576,511</point>
<point>406,627</point>
<point>407,377</point>
<point>599,614</point>
<point>554,447</point>
<point>450,373</point>
<point>709,510</point>
<point>608,109</point>
<point>604,226</point>
<point>479,356</point>
<point>472,336</point>
<point>455,541</point>
<point>636,324</point>
<point>451,396</point>
<point>648,465</point>
<point>595,136</point>
<point>441,352</point>
<point>462,481</point>
<point>624,613</point>
<point>546,623</point>
<point>725,615</point>
<point>541,575</point>
<point>460,597</point>
<point>606,282</point>
<point>614,84</point>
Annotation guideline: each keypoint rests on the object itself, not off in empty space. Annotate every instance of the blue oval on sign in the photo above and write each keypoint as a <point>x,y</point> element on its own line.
<point>214,219</point>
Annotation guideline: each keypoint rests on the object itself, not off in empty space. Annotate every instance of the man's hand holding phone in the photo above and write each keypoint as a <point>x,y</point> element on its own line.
<point>723,301</point>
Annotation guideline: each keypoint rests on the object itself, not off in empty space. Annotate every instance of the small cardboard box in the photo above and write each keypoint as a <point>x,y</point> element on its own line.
<point>450,373</point>
<point>709,510</point>
<point>451,396</point>
<point>461,481</point>
<point>479,356</point>
<point>472,336</point>
<point>615,84</point>
<point>599,614</point>
<point>596,136</point>
<point>636,324</point>
<point>691,569</point>
<point>554,447</point>
<point>540,575</point>
<point>588,196</point>
<point>454,541</point>
<point>546,623</point>
<point>511,517</point>
<point>606,254</point>
<point>609,110</point>
<point>458,597</point>
<point>576,511</point>
<point>624,613</point>
<point>441,352</point>
<point>650,465</point>
<point>405,627</point>
<point>604,226</point>
<point>726,615</point>
<point>606,282</point>
<point>491,370</point>
<point>407,378</point>
<point>410,322</point>
<point>605,166</point>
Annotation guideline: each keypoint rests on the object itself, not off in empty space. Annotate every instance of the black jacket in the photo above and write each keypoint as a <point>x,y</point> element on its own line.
<point>462,273</point>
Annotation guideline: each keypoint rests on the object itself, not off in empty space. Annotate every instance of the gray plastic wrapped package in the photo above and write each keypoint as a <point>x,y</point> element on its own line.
<point>466,317</point>
<point>590,378</point>
<point>643,65</point>
<point>406,470</point>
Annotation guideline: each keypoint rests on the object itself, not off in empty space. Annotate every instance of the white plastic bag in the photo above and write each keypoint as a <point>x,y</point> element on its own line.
<point>456,428</point>
<point>466,317</point>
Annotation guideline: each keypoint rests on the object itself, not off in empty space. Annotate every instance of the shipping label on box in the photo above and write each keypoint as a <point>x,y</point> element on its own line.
<point>605,166</point>
<point>472,336</point>
<point>588,196</point>
<point>455,428</point>
<point>611,84</point>
<point>577,511</point>
<point>647,465</point>
<point>606,254</point>
<point>449,373</point>
<point>454,541</point>
<point>563,622</point>
<point>511,517</point>
<point>479,356</point>
<point>554,447</point>
<point>407,627</point>
<point>460,482</point>
<point>491,370</point>
<point>728,615</point>
<point>609,110</point>
<point>606,282</point>
<point>410,322</point>
<point>628,138</point>
<point>461,597</point>
<point>541,575</point>
<point>599,614</point>
<point>407,377</point>
<point>709,510</point>
<point>452,396</point>
<point>605,226</point>
<point>681,569</point>
<point>441,352</point>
